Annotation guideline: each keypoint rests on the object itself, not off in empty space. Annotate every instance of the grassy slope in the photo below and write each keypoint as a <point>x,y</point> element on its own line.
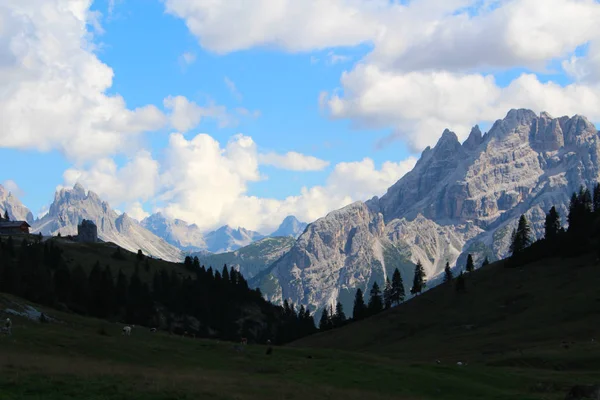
<point>87,254</point>
<point>534,310</point>
<point>71,359</point>
<point>505,312</point>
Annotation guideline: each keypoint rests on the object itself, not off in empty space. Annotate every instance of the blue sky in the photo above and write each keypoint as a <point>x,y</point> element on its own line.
<point>279,76</point>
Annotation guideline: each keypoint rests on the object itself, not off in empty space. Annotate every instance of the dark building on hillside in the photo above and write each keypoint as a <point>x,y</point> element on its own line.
<point>14,228</point>
<point>87,232</point>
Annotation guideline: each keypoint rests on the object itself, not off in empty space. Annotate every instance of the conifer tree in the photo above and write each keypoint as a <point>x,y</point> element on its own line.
<point>485,262</point>
<point>225,275</point>
<point>387,294</point>
<point>597,198</point>
<point>62,283</point>
<point>325,323</point>
<point>398,292</point>
<point>552,226</point>
<point>79,290</point>
<point>360,309</point>
<point>140,255</point>
<point>460,283</point>
<point>419,281</point>
<point>340,317</point>
<point>521,237</point>
<point>6,216</point>
<point>447,273</point>
<point>470,265</point>
<point>375,301</point>
<point>123,288</point>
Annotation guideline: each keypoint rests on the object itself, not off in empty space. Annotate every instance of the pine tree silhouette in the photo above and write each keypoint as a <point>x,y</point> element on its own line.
<point>419,281</point>
<point>398,292</point>
<point>470,265</point>
<point>375,301</point>
<point>447,273</point>
<point>360,309</point>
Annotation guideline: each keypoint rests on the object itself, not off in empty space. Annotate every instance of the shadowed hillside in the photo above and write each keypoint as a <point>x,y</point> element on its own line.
<point>505,313</point>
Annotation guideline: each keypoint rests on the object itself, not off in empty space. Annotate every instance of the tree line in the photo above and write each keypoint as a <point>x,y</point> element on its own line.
<point>581,235</point>
<point>206,302</point>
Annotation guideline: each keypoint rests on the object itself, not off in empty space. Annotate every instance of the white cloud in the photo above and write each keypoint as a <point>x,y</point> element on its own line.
<point>233,89</point>
<point>13,188</point>
<point>137,212</point>
<point>420,105</point>
<point>288,24</point>
<point>293,161</point>
<point>186,115</point>
<point>54,88</point>
<point>137,180</point>
<point>202,182</point>
<point>420,34</point>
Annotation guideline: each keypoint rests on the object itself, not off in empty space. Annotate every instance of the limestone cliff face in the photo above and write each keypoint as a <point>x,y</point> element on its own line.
<point>459,199</point>
<point>16,210</point>
<point>71,206</point>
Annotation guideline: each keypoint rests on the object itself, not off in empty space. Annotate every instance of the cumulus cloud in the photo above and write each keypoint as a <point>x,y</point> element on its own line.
<point>203,182</point>
<point>293,161</point>
<point>54,88</point>
<point>137,180</point>
<point>287,24</point>
<point>420,105</point>
<point>13,188</point>
<point>186,115</point>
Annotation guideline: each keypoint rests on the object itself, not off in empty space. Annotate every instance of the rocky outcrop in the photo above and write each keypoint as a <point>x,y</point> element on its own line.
<point>290,227</point>
<point>72,206</point>
<point>16,210</point>
<point>176,232</point>
<point>227,239</point>
<point>459,199</point>
<point>250,260</point>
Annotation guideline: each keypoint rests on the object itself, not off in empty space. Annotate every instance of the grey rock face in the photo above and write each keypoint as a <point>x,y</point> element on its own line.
<point>290,227</point>
<point>227,239</point>
<point>16,210</point>
<point>458,199</point>
<point>176,232</point>
<point>72,206</point>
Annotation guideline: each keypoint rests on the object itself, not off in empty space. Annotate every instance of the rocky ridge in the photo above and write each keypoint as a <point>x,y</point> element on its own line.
<point>71,206</point>
<point>458,199</point>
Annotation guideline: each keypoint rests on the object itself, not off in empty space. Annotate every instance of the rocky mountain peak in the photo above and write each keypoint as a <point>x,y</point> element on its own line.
<point>290,226</point>
<point>474,140</point>
<point>455,202</point>
<point>16,210</point>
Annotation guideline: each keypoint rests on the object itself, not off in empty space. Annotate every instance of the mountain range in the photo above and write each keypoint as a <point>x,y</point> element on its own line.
<point>157,235</point>
<point>459,199</point>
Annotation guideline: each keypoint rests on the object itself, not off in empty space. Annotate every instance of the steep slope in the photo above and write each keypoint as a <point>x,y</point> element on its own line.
<point>504,314</point>
<point>227,239</point>
<point>290,227</point>
<point>252,259</point>
<point>70,206</point>
<point>176,232</point>
<point>16,209</point>
<point>458,199</point>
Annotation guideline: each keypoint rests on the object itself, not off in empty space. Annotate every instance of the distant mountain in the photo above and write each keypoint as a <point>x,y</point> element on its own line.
<point>71,206</point>
<point>250,260</point>
<point>290,227</point>
<point>459,199</point>
<point>16,209</point>
<point>176,232</point>
<point>227,239</point>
